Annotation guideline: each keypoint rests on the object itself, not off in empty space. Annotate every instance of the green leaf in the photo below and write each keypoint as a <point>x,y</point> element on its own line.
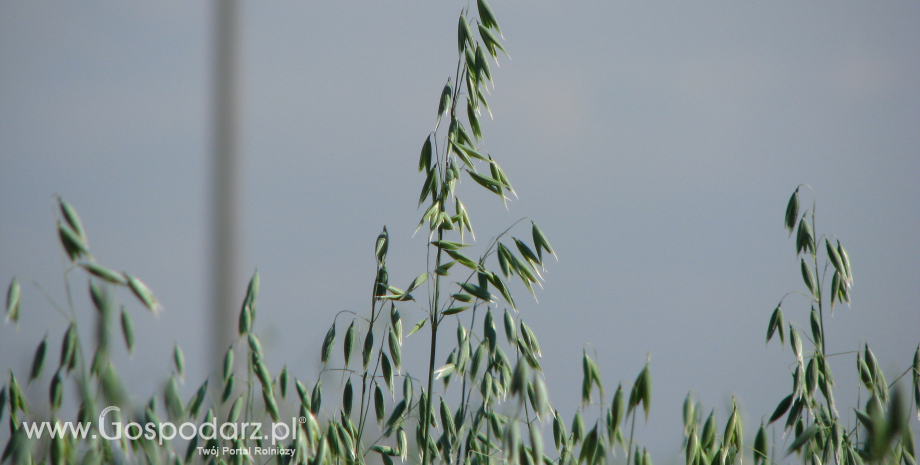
<point>464,35</point>
<point>760,446</point>
<point>490,41</point>
<point>541,243</point>
<point>179,360</point>
<point>368,348</point>
<point>316,398</point>
<point>103,273</point>
<point>443,269</point>
<point>380,248</point>
<point>349,345</point>
<point>245,321</point>
<point>526,252</point>
<point>68,346</point>
<point>816,334</point>
<point>477,292</point>
<point>38,361</point>
<point>127,329</point>
<point>302,393</point>
<point>835,289</point>
<point>503,261</point>
<point>846,263</point>
<point>801,439</point>
<point>645,392</point>
<point>236,409</point>
<point>143,293</point>
<point>444,370</point>
<point>228,390</point>
<point>811,377</point>
<point>805,238</point>
<point>618,408</point>
<point>379,406</point>
<point>347,397</point>
<point>55,393</point>
<point>430,185</point>
<point>531,340</point>
<point>587,380</point>
<point>499,174</point>
<point>194,404</point>
<point>455,148</point>
<point>417,326</point>
<point>781,408</point>
<point>809,279</point>
<point>795,413</point>
<point>486,15</point>
<point>73,243</point>
<point>463,259</point>
<point>541,396</point>
<point>12,301</point>
<point>473,119</point>
<point>487,182</point>
<point>444,104</point>
<point>395,349</point>
<point>834,257</point>
<point>796,343</point>
<point>328,343</point>
<point>792,211</point>
<point>502,288</point>
<point>510,332</point>
<point>174,407</point>
<point>777,323</point>
<point>730,426</point>
<point>72,218</point>
<point>470,152</point>
<point>482,72</point>
<point>692,450</point>
<point>455,310</point>
<point>417,282</point>
<point>448,245</point>
<point>709,431</point>
<point>254,345</point>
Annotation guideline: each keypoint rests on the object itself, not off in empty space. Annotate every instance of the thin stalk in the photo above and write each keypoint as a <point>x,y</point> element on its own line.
<point>821,283</point>
<point>632,430</point>
<point>426,420</point>
<point>370,328</point>
<point>464,394</point>
<point>364,412</point>
<point>249,415</point>
<point>891,384</point>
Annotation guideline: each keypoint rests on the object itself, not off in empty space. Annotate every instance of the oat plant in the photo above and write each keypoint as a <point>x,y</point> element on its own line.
<point>485,402</point>
<point>816,430</point>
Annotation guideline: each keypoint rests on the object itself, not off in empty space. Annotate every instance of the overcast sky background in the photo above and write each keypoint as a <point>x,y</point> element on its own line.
<point>655,143</point>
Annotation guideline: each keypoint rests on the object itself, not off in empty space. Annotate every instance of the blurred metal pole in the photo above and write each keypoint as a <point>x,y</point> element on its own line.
<point>224,234</point>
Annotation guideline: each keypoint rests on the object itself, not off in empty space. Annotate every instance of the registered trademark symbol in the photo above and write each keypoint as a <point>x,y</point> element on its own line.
<point>303,420</point>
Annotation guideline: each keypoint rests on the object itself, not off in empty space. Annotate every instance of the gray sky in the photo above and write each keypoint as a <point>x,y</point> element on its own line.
<point>656,144</point>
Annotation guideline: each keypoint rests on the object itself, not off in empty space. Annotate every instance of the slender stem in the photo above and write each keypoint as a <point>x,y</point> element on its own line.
<point>631,431</point>
<point>858,402</point>
<point>842,353</point>
<point>373,377</point>
<point>899,377</point>
<point>249,415</point>
<point>426,419</point>
<point>370,329</point>
<point>821,283</point>
<point>51,301</point>
<point>464,393</point>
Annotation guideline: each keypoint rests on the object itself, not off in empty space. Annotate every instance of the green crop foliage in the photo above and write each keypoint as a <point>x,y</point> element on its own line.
<point>483,403</point>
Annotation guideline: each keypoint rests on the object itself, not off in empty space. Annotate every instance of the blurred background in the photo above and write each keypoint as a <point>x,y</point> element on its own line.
<point>655,143</point>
